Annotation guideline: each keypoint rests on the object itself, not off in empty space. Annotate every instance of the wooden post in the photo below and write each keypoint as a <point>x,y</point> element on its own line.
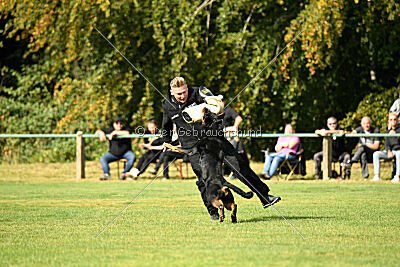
<point>327,157</point>
<point>80,156</point>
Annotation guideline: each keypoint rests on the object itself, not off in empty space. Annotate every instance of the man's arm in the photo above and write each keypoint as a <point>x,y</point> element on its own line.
<point>355,131</point>
<point>374,146</point>
<point>238,121</point>
<point>118,132</point>
<point>324,132</point>
<point>321,132</point>
<point>376,143</point>
<point>167,127</point>
<point>235,126</point>
<point>101,134</point>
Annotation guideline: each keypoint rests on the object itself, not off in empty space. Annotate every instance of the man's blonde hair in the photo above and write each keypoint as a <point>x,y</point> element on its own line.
<point>393,114</point>
<point>177,82</point>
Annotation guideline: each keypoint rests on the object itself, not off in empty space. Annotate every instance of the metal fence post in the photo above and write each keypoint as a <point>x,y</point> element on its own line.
<point>80,155</point>
<point>327,157</point>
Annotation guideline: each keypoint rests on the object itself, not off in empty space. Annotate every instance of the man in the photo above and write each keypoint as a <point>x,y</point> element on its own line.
<point>231,122</point>
<point>183,106</point>
<point>366,146</point>
<point>338,147</point>
<point>120,148</point>
<point>232,119</point>
<point>392,149</point>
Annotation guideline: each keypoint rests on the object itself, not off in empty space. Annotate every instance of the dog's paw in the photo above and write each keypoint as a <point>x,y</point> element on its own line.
<point>249,195</point>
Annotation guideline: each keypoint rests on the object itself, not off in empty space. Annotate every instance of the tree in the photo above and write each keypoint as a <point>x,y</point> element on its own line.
<point>66,77</point>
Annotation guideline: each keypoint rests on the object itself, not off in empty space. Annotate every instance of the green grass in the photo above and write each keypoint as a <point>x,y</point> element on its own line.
<point>49,218</point>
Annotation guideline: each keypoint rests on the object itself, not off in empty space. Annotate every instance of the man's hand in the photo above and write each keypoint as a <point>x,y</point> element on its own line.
<point>111,135</point>
<point>144,145</point>
<point>102,135</point>
<point>321,132</point>
<point>390,154</point>
<point>171,147</point>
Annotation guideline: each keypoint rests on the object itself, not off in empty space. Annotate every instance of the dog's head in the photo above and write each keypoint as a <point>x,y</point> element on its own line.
<point>212,121</point>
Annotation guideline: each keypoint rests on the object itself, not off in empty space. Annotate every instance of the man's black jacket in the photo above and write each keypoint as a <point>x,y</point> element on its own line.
<point>118,146</point>
<point>188,133</point>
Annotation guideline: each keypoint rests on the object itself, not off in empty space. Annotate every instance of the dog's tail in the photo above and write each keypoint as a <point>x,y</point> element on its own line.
<point>239,191</point>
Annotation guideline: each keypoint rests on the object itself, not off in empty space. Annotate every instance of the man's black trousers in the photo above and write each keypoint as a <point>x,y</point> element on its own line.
<point>239,167</point>
<point>146,159</point>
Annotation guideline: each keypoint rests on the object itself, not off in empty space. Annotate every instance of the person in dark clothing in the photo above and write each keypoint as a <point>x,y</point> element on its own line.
<point>120,148</point>
<point>183,106</point>
<point>392,150</point>
<point>366,146</point>
<point>232,120</point>
<point>338,148</point>
<point>231,123</point>
<point>151,155</point>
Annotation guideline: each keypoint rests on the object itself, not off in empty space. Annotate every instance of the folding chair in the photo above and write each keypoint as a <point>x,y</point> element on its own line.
<point>295,166</point>
<point>180,162</point>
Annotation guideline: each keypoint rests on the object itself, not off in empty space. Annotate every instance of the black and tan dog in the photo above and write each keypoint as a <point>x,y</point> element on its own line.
<point>211,158</point>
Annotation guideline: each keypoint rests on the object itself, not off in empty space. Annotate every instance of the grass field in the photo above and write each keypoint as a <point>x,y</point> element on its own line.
<point>49,218</point>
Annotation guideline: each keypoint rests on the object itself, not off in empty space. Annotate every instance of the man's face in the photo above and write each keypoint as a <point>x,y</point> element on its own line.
<point>366,124</point>
<point>152,127</point>
<point>180,93</point>
<point>332,124</point>
<point>392,122</point>
<point>118,125</point>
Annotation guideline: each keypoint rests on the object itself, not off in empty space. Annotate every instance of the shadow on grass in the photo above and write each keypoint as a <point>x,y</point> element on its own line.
<point>290,218</point>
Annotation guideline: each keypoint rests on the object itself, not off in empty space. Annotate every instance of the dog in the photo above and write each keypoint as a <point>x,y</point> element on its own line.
<point>209,148</point>
<point>211,159</point>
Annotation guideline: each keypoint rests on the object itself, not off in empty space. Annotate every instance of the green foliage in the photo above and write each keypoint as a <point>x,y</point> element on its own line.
<point>64,77</point>
<point>374,105</point>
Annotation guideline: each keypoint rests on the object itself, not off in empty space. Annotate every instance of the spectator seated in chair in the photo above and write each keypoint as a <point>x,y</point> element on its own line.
<point>152,153</point>
<point>392,150</point>
<point>285,148</point>
<point>120,148</point>
<point>366,146</point>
